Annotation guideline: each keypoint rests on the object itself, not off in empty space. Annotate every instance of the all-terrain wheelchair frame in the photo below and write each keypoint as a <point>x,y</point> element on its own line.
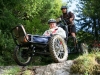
<point>28,45</point>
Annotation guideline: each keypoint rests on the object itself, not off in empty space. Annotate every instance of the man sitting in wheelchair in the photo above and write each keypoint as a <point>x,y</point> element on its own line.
<point>54,29</point>
<point>22,37</point>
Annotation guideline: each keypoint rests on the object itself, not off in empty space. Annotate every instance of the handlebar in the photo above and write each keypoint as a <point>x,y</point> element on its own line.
<point>63,21</point>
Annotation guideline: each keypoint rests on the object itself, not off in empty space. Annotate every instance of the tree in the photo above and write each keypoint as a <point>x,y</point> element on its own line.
<point>44,10</point>
<point>33,14</point>
<point>89,16</point>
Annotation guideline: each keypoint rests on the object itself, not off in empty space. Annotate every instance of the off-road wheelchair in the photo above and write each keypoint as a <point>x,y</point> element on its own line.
<point>28,45</point>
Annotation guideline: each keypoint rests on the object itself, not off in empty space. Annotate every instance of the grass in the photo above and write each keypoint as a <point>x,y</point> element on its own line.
<point>73,56</point>
<point>83,64</point>
<point>18,71</point>
<point>11,71</point>
<point>41,60</point>
<point>87,64</point>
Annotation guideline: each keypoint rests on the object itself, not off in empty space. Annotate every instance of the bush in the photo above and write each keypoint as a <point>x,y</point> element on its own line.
<point>6,45</point>
<point>87,64</point>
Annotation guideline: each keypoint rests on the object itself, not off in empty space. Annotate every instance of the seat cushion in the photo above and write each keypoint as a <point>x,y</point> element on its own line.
<point>40,39</point>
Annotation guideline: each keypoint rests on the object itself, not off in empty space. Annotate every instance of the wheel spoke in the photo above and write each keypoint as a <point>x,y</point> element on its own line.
<point>61,54</point>
<point>57,43</point>
<point>59,48</point>
<point>22,55</point>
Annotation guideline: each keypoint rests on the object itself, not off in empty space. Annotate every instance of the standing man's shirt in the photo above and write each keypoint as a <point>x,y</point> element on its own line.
<point>66,16</point>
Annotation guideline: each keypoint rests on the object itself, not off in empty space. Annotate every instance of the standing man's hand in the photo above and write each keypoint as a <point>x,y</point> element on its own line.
<point>58,19</point>
<point>71,19</point>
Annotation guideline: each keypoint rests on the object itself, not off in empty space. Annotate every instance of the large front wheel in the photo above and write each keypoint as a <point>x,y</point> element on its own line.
<point>58,48</point>
<point>22,55</point>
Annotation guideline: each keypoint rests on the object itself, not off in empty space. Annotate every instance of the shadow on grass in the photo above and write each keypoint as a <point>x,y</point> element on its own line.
<point>73,56</point>
<point>45,60</point>
<point>41,60</point>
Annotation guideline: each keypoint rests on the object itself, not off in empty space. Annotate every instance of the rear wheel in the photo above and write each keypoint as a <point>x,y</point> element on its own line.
<point>22,55</point>
<point>58,48</point>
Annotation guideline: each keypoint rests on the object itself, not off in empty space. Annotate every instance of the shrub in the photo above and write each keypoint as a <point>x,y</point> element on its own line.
<point>6,46</point>
<point>87,64</point>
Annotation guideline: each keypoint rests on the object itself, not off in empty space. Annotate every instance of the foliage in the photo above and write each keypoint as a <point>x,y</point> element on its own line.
<point>43,11</point>
<point>86,64</point>
<point>41,60</point>
<point>12,71</point>
<point>6,46</point>
<point>33,14</point>
<point>89,17</point>
<point>84,36</point>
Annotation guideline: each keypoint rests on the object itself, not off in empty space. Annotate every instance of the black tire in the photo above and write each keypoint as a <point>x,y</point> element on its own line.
<point>22,56</point>
<point>83,48</point>
<point>58,48</point>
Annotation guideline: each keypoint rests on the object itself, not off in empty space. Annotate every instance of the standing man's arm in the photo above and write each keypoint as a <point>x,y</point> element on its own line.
<point>71,17</point>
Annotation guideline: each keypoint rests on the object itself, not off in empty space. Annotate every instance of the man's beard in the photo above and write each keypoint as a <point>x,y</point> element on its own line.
<point>64,12</point>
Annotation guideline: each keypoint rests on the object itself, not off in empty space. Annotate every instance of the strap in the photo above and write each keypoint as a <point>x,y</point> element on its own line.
<point>55,30</point>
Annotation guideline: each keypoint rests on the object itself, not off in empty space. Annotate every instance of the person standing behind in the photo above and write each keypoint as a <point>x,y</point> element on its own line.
<point>69,19</point>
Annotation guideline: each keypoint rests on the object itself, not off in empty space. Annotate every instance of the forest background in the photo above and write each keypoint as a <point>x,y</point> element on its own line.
<point>34,14</point>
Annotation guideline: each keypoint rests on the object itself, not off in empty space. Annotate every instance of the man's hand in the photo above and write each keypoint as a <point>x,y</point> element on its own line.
<point>58,19</point>
<point>71,20</point>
